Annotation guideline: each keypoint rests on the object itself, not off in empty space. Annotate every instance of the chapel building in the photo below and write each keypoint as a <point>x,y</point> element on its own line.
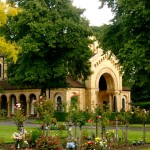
<point>104,86</point>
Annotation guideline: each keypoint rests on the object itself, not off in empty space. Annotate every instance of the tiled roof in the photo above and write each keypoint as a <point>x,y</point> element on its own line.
<point>74,83</point>
<point>6,86</point>
<point>126,88</point>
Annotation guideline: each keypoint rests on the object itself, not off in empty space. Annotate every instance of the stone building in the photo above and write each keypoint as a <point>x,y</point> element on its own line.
<point>104,86</point>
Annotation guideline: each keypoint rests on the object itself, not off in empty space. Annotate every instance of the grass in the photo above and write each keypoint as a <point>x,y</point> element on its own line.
<point>7,131</point>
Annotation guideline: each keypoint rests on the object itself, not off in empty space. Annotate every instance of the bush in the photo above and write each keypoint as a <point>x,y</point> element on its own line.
<point>50,142</point>
<point>142,105</point>
<point>60,116</point>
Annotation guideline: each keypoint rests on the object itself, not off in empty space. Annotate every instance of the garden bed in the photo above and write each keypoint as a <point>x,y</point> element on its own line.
<point>139,147</point>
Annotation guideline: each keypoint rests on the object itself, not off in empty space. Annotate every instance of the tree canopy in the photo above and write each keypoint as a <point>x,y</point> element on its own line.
<point>128,37</point>
<point>10,50</point>
<point>54,38</point>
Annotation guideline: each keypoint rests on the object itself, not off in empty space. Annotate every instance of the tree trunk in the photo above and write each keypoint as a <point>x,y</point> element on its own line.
<point>126,133</point>
<point>122,131</point>
<point>96,128</point>
<point>116,129</point>
<point>144,132</point>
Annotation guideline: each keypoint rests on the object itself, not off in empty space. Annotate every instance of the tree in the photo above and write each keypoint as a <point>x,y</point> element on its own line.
<point>128,36</point>
<point>10,50</point>
<point>55,44</point>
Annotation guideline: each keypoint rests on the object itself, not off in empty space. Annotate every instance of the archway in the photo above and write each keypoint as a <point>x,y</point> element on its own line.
<point>58,102</point>
<point>32,110</point>
<point>106,89</point>
<point>4,103</point>
<point>23,103</point>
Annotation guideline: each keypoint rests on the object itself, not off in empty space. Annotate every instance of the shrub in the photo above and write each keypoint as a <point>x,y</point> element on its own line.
<point>50,142</point>
<point>60,116</point>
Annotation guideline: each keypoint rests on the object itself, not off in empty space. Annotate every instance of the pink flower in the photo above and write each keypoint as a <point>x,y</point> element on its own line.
<point>18,105</point>
<point>34,101</point>
<point>99,117</point>
<point>41,97</point>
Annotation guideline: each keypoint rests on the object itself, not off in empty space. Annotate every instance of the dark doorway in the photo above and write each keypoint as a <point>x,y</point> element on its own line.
<point>102,84</point>
<point>4,104</point>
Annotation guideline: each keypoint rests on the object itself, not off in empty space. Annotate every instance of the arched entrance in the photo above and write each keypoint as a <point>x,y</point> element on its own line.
<point>106,90</point>
<point>58,102</point>
<point>4,104</point>
<point>23,103</point>
<point>32,110</point>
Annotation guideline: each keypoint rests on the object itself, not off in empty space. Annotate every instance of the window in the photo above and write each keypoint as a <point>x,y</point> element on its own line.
<point>59,104</point>
<point>123,104</point>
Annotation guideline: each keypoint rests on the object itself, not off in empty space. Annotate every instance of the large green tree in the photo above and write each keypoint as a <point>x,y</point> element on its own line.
<point>128,36</point>
<point>55,43</point>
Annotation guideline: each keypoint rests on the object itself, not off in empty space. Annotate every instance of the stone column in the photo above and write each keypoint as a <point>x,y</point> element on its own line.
<point>119,101</point>
<point>110,102</point>
<point>17,99</point>
<point>0,102</point>
<point>8,107</point>
<point>28,111</point>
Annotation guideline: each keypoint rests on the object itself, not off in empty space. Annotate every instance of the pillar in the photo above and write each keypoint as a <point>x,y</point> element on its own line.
<point>8,107</point>
<point>110,102</point>
<point>0,102</point>
<point>28,111</point>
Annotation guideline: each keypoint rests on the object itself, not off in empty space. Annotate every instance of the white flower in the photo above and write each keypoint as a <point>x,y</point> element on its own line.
<point>25,142</point>
<point>17,136</point>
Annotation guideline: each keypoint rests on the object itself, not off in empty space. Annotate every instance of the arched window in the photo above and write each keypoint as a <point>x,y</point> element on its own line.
<point>59,104</point>
<point>123,104</point>
<point>115,104</point>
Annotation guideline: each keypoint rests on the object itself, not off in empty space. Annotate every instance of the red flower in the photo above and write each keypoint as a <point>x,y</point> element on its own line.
<point>56,142</point>
<point>90,142</point>
<point>90,120</point>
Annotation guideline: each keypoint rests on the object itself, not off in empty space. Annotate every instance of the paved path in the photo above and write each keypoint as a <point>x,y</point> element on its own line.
<point>31,123</point>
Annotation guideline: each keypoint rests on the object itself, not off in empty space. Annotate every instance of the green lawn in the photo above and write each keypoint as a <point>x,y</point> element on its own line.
<point>7,131</point>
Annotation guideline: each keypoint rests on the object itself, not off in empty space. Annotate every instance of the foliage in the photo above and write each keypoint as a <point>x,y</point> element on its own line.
<point>124,117</point>
<point>45,109</point>
<point>32,136</point>
<point>60,116</point>
<point>76,115</point>
<point>10,49</point>
<point>128,38</point>
<point>141,114</point>
<point>142,105</point>
<point>54,46</point>
<point>53,142</point>
<point>110,135</point>
<point>19,116</point>
<point>3,114</point>
<point>101,115</point>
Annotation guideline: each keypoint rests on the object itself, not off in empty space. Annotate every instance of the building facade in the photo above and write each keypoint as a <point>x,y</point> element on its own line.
<point>104,86</point>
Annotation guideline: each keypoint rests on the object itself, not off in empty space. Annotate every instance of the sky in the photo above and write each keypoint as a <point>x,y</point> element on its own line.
<point>97,17</point>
